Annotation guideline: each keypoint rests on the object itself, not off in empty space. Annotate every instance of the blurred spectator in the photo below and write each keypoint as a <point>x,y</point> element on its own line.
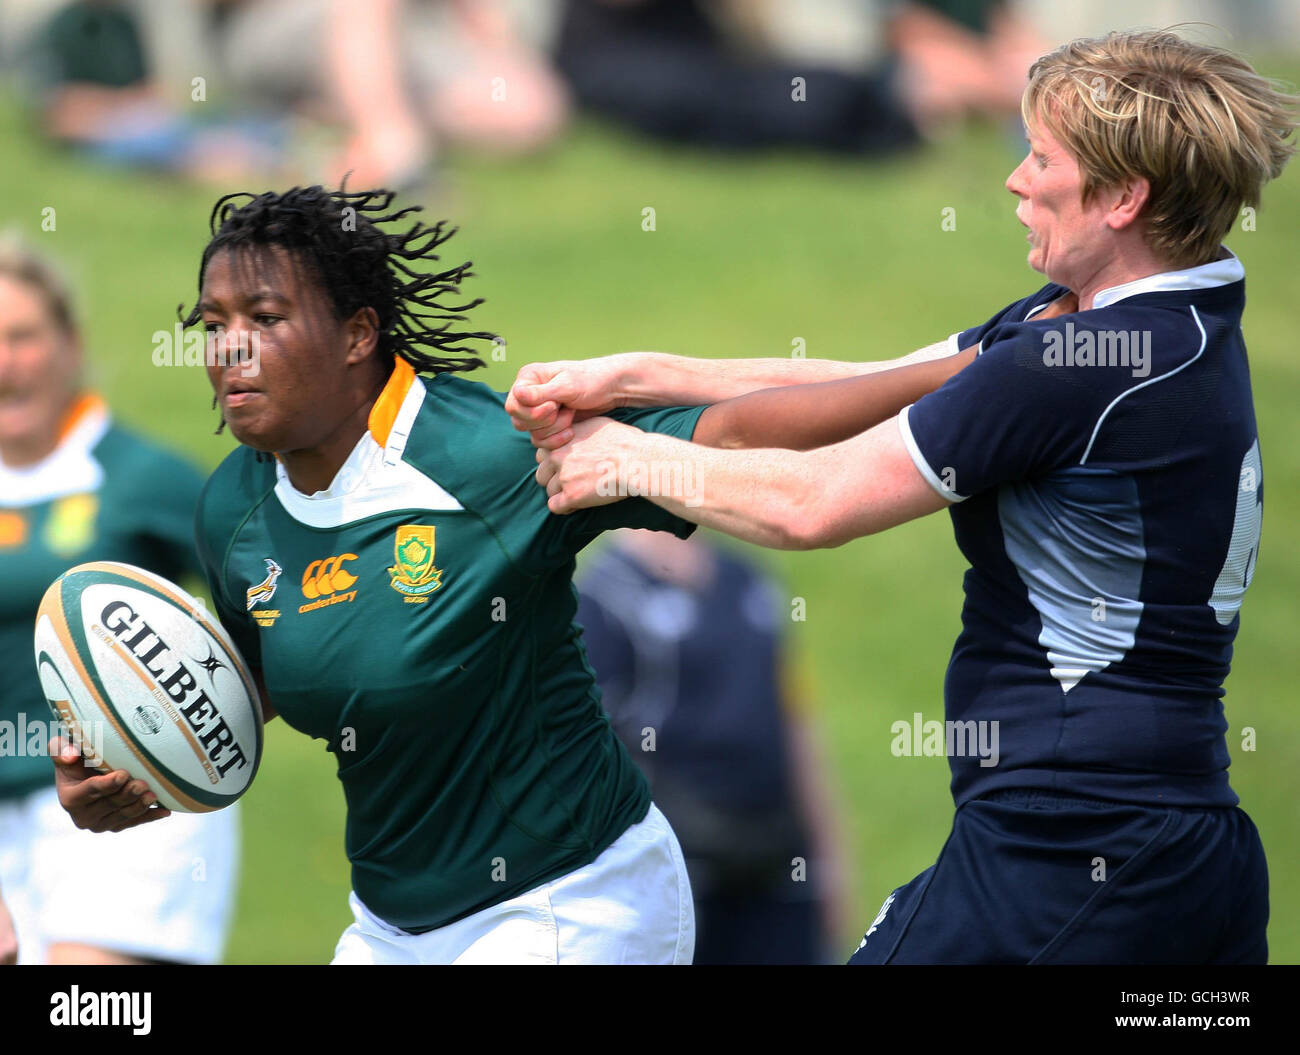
<point>989,39</point>
<point>679,69</point>
<point>686,644</point>
<point>400,76</point>
<point>89,71</point>
<point>396,77</point>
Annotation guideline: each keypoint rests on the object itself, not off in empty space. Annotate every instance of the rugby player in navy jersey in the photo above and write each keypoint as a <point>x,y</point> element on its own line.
<point>1101,465</point>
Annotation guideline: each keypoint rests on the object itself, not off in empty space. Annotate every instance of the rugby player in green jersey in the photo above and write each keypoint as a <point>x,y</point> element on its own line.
<point>76,486</point>
<point>381,554</point>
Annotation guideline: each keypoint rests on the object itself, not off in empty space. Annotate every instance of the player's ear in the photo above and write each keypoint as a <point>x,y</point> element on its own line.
<point>362,334</point>
<point>1128,200</point>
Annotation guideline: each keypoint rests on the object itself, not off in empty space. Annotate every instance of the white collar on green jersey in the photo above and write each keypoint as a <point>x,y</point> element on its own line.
<point>374,479</point>
<point>69,469</point>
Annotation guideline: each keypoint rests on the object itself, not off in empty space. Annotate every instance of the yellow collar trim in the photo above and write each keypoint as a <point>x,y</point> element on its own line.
<point>384,412</point>
<point>86,405</point>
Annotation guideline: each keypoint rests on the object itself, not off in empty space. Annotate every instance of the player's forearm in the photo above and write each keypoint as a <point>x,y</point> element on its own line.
<point>804,417</point>
<point>766,497</point>
<point>649,379</point>
<point>777,498</point>
<point>652,379</point>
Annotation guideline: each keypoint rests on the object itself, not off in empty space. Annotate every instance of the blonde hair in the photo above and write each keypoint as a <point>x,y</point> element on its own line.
<point>20,263</point>
<point>1204,129</point>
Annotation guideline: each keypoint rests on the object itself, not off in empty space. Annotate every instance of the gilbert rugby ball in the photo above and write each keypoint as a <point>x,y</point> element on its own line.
<point>145,680</point>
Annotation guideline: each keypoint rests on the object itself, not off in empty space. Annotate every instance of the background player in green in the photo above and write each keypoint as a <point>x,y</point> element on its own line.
<point>75,486</point>
<point>395,578</point>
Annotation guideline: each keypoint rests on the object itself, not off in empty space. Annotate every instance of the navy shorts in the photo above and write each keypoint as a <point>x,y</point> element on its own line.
<point>1036,877</point>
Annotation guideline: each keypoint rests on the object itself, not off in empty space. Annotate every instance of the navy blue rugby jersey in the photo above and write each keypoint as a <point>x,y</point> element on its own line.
<point>1108,492</point>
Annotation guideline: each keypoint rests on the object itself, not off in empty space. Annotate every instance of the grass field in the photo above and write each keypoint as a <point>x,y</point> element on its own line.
<point>748,254</point>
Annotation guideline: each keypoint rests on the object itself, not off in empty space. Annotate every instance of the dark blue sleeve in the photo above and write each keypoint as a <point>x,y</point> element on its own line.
<point>1007,416</point>
<point>1011,313</point>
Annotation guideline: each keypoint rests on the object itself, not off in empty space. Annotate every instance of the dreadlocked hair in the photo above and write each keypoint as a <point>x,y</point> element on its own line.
<point>336,234</point>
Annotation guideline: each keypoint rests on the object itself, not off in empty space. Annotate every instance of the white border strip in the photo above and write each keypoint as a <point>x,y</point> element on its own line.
<point>918,459</point>
<point>1129,391</point>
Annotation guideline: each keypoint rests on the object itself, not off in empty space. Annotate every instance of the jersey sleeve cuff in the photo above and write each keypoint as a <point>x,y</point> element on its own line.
<point>922,465</point>
<point>954,344</point>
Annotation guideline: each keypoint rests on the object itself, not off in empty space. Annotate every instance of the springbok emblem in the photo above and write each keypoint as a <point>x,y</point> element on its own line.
<point>264,590</point>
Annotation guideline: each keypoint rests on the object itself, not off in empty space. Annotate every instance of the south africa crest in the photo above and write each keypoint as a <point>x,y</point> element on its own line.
<point>413,573</point>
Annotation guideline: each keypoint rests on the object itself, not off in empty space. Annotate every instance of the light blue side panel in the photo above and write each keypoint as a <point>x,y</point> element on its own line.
<point>1076,540</point>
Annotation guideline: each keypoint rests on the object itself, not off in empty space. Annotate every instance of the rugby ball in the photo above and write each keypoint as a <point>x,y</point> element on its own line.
<point>145,680</point>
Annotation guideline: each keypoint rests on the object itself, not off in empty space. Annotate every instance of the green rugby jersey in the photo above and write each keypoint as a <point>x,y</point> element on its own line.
<point>418,617</point>
<point>102,494</point>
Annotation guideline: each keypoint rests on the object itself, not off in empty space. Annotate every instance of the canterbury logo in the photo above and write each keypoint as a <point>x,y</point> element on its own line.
<point>264,590</point>
<point>324,577</point>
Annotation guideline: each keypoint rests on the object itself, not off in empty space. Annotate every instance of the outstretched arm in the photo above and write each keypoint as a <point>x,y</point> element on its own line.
<point>547,397</point>
<point>649,378</point>
<point>777,498</point>
<point>803,417</point>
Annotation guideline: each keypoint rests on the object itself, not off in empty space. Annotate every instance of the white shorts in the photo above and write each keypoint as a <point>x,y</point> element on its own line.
<point>632,904</point>
<point>163,891</point>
